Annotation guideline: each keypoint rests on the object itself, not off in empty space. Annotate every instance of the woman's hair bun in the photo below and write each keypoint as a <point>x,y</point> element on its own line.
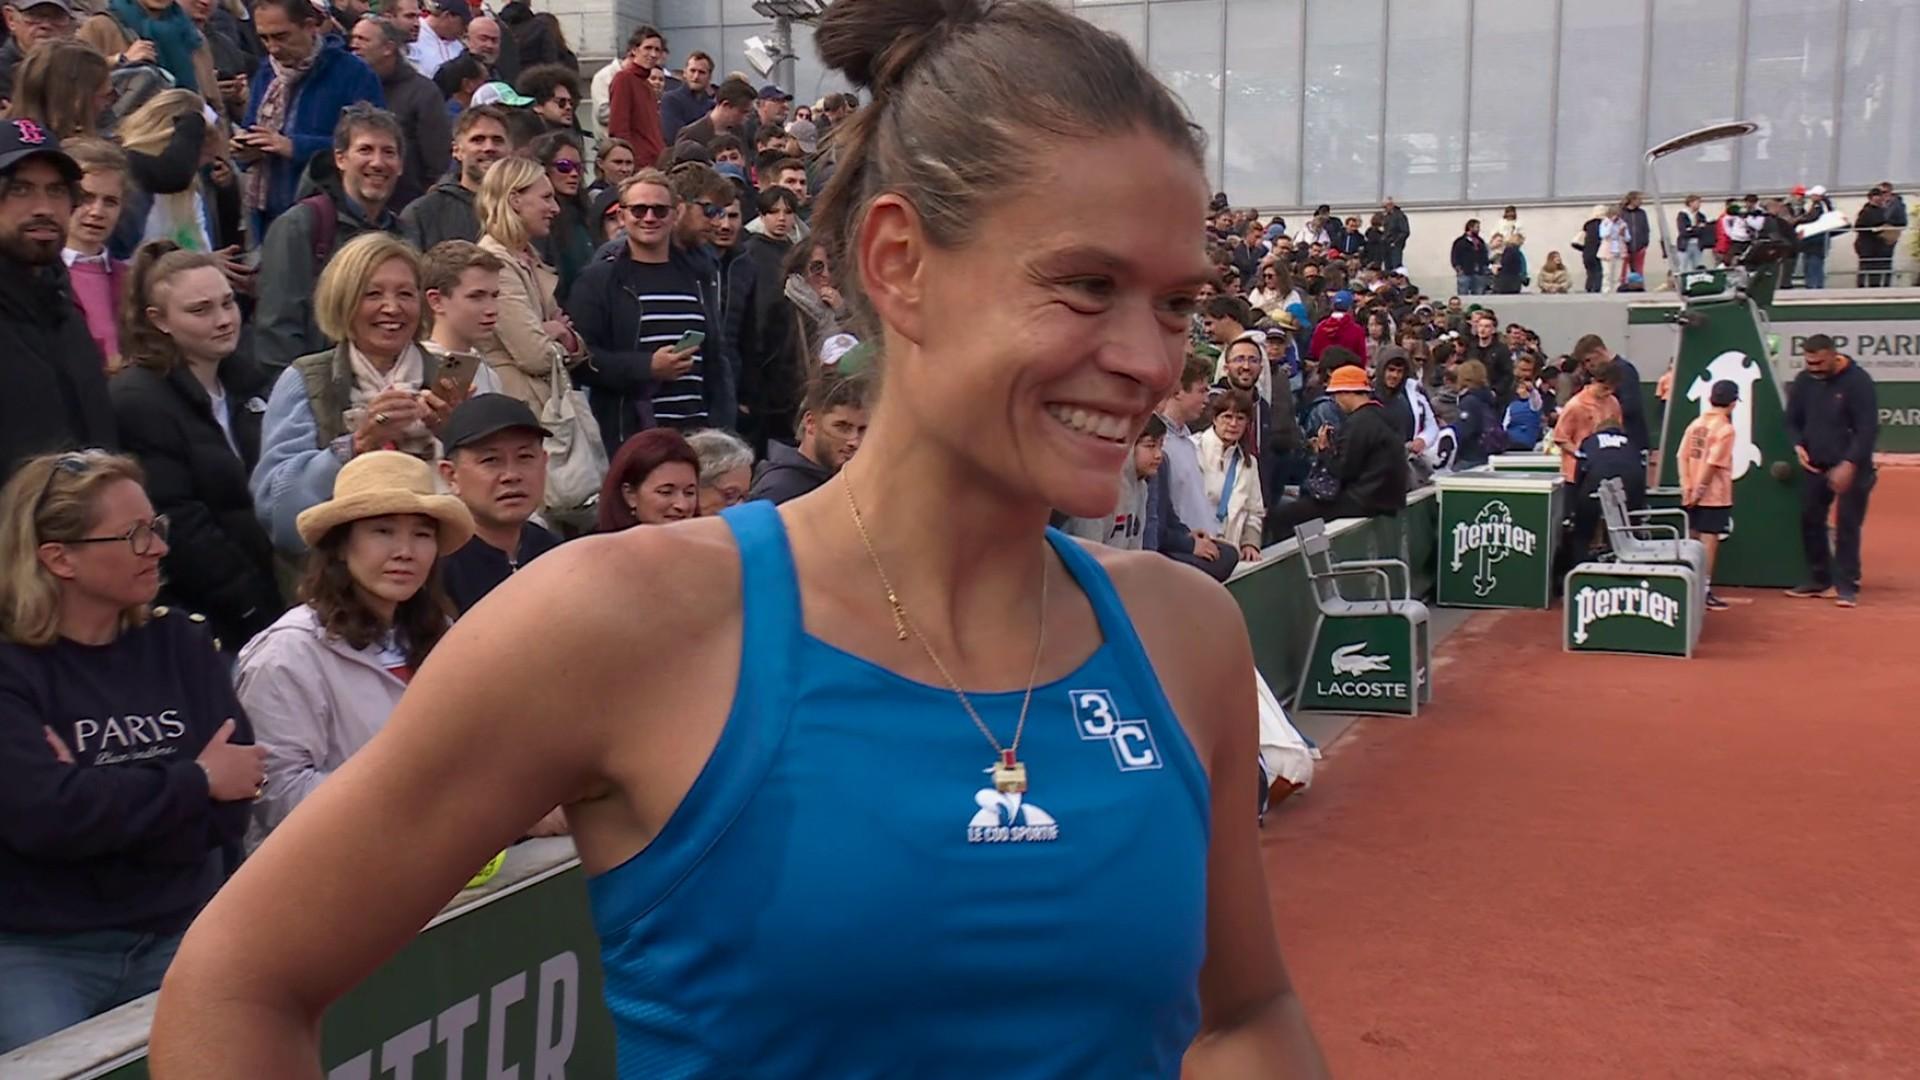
<point>875,43</point>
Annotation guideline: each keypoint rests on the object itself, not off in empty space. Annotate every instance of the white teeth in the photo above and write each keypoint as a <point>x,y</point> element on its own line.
<point>1100,425</point>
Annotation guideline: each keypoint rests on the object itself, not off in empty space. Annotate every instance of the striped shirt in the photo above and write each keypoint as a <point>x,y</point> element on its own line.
<point>669,308</point>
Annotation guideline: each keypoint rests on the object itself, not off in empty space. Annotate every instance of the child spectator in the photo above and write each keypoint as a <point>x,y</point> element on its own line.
<point>1125,528</point>
<point>1523,422</point>
<point>1478,429</point>
<point>99,279</point>
<point>1591,409</point>
<point>1706,476</point>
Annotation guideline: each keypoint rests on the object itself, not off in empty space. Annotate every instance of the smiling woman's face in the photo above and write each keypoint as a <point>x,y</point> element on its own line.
<point>388,315</point>
<point>1046,338</point>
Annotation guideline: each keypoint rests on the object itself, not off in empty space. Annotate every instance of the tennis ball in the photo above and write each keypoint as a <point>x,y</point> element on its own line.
<point>1780,471</point>
<point>486,872</point>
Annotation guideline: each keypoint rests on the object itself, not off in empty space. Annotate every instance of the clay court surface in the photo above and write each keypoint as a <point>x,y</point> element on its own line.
<point>1610,866</point>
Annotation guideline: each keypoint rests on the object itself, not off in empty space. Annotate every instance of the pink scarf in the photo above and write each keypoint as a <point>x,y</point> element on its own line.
<point>273,117</point>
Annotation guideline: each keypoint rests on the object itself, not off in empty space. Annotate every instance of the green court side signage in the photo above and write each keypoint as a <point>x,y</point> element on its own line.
<point>509,988</point>
<point>1362,664</point>
<point>1497,537</point>
<point>1626,609</point>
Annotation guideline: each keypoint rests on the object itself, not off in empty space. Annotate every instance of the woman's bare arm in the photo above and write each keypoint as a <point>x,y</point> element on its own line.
<point>1251,1023</point>
<point>511,716</point>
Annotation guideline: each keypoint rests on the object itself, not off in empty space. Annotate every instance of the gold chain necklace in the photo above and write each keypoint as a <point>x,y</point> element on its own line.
<point>1009,772</point>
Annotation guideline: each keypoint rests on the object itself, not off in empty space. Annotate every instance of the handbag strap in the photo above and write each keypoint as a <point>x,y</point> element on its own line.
<point>1226,489</point>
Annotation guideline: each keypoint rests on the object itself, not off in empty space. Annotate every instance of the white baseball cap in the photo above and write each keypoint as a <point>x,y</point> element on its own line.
<point>1816,191</point>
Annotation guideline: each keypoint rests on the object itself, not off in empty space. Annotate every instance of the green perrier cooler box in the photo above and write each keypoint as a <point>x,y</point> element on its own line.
<point>1498,534</point>
<point>1643,608</point>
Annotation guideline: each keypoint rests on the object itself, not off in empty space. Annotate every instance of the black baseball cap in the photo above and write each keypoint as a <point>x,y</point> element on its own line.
<point>1724,393</point>
<point>488,414</point>
<point>771,92</point>
<point>24,138</point>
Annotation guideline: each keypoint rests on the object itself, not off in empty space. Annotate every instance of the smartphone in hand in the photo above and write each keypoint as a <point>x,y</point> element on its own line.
<point>689,341</point>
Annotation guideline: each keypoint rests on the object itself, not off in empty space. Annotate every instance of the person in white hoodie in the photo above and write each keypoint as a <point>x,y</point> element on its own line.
<point>1233,477</point>
<point>321,681</point>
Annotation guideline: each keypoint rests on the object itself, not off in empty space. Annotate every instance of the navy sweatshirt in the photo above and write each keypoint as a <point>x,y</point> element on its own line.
<point>126,837</point>
<point>1836,419</point>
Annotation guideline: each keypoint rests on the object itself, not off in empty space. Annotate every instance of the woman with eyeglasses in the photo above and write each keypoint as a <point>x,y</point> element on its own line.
<point>322,680</point>
<point>726,469</point>
<point>126,768</point>
<point>517,209</point>
<point>569,244</point>
<point>189,407</point>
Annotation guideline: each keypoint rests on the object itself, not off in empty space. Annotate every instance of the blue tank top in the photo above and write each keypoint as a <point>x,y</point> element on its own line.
<point>843,893</point>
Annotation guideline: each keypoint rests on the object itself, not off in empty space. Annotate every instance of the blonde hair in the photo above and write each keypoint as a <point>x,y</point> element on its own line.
<point>52,498</point>
<point>1472,375</point>
<point>494,204</point>
<point>347,275</point>
<point>150,128</point>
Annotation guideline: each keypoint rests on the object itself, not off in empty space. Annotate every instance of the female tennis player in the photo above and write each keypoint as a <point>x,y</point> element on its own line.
<point>890,780</point>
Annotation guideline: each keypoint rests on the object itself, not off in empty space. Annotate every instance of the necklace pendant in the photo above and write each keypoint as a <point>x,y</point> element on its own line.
<point>1009,774</point>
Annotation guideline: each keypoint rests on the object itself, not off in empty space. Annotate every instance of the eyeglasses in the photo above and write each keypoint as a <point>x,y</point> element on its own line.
<point>647,210</point>
<point>563,102</point>
<point>712,211</point>
<point>818,266</point>
<point>566,166</point>
<point>140,538</point>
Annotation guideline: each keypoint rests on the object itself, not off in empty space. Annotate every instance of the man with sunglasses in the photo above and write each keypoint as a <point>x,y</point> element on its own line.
<point>640,300</point>
<point>55,377</point>
<point>555,91</point>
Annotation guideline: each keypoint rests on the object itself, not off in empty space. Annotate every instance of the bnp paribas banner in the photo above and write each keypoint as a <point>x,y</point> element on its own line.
<point>1883,337</point>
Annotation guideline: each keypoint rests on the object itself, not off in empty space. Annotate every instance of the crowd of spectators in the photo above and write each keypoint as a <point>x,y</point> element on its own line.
<point>319,324</point>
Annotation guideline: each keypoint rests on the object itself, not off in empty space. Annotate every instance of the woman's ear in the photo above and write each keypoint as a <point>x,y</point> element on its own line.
<point>57,559</point>
<point>891,254</point>
<point>158,319</point>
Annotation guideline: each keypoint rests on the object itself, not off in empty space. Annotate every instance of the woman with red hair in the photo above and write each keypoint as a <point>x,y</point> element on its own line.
<point>654,479</point>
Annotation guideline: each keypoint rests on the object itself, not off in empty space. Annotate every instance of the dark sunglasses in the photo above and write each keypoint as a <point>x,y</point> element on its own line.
<point>566,167</point>
<point>647,210</point>
<point>712,211</point>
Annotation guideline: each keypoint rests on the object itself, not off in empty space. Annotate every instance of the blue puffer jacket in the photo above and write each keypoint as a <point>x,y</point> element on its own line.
<point>337,79</point>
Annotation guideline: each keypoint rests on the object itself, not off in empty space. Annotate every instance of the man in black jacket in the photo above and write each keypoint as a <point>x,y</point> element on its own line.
<point>1370,461</point>
<point>1399,230</point>
<point>1833,418</point>
<point>631,371</point>
<point>1472,274</point>
<point>414,101</point>
<point>1594,356</point>
<point>55,377</point>
<point>480,138</point>
<point>832,425</point>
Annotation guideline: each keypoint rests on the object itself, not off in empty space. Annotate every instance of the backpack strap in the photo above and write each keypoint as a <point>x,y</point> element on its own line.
<point>326,225</point>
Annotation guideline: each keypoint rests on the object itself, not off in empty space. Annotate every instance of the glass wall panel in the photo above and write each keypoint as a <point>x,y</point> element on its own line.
<point>1509,119</point>
<point>1261,144</point>
<point>1426,99</point>
<point>1791,47</point>
<point>1598,136</point>
<point>1343,89</point>
<point>1695,70</point>
<point>1880,105</point>
<point>1183,48</point>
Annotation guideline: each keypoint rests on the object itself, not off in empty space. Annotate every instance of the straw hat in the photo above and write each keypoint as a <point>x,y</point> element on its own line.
<point>387,482</point>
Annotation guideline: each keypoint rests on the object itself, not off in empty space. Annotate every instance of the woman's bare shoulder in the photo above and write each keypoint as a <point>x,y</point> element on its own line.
<point>636,594</point>
<point>1194,635</point>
